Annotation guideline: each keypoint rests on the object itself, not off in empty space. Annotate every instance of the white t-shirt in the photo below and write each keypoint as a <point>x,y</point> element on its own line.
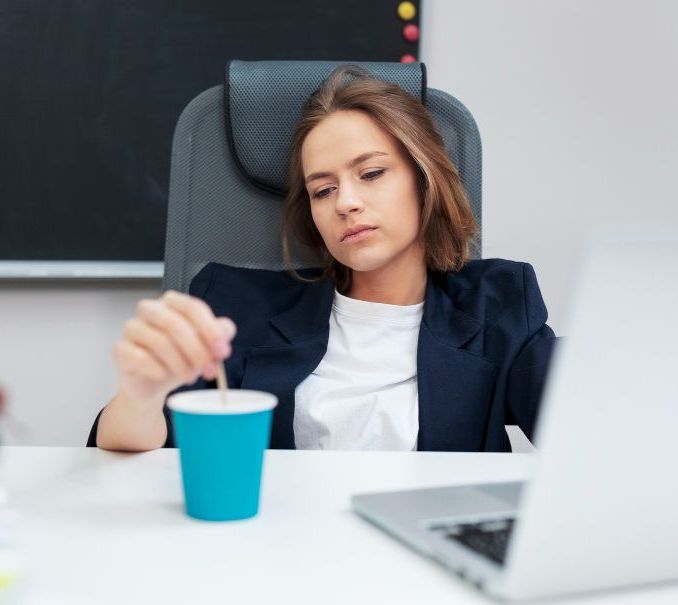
<point>363,394</point>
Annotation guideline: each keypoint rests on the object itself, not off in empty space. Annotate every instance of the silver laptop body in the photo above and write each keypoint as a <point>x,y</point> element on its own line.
<point>601,509</point>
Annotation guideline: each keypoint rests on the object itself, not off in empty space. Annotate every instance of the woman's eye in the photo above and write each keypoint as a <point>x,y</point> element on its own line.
<point>321,193</point>
<point>370,176</point>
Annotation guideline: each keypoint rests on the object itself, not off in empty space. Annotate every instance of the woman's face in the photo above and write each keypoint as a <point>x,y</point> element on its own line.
<point>357,174</point>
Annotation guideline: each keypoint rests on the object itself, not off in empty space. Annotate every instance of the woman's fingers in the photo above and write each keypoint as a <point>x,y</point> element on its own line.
<point>136,361</point>
<point>171,340</point>
<point>160,346</point>
<point>227,327</point>
<point>180,332</point>
<point>216,333</point>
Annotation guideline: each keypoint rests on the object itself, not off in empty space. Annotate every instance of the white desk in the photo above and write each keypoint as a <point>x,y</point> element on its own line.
<point>100,527</point>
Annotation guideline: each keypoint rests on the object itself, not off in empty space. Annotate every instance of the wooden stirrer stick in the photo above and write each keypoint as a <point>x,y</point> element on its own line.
<point>221,381</point>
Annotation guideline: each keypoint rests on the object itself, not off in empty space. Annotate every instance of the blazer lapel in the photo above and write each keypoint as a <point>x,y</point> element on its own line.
<point>454,386</point>
<point>279,368</point>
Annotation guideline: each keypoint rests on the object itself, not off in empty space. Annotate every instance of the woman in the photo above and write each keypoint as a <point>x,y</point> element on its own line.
<point>398,342</point>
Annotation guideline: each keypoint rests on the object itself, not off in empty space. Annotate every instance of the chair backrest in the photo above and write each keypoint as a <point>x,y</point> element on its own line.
<point>230,154</point>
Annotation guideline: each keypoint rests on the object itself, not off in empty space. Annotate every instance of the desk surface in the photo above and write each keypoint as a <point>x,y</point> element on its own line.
<point>110,528</point>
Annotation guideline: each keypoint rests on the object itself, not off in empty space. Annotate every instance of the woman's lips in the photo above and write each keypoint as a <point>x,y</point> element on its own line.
<point>361,235</point>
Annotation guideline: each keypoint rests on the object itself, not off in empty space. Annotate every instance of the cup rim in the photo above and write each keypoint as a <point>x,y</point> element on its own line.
<point>249,402</point>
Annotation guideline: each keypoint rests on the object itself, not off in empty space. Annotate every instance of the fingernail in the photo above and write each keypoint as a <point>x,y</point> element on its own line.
<point>220,348</point>
<point>229,329</point>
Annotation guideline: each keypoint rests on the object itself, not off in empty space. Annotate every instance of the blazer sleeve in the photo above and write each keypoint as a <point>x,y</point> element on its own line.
<point>199,286</point>
<point>529,370</point>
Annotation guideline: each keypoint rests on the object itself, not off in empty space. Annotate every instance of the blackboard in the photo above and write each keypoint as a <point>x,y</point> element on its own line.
<point>92,89</point>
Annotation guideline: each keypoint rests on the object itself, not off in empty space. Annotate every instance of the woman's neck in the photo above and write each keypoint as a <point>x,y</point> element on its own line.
<point>398,283</point>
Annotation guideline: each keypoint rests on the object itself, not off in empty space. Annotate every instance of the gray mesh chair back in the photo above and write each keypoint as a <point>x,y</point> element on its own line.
<point>229,162</point>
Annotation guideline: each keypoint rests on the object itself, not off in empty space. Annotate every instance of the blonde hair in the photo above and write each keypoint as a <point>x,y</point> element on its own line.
<point>447,223</point>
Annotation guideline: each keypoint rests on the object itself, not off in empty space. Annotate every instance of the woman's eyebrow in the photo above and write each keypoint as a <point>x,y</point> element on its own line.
<point>354,162</point>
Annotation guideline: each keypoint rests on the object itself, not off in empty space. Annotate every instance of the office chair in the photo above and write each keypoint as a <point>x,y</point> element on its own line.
<point>230,155</point>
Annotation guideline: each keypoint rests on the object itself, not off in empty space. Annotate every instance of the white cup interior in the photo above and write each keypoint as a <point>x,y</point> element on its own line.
<point>208,401</point>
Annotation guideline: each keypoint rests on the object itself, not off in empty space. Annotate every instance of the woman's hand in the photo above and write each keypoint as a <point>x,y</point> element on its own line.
<point>172,340</point>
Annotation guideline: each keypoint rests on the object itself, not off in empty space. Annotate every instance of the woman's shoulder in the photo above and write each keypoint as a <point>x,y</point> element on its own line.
<point>490,287</point>
<point>217,273</point>
<point>498,272</point>
<point>224,286</point>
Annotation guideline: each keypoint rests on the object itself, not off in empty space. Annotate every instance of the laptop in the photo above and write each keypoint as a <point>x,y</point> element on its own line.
<point>601,509</point>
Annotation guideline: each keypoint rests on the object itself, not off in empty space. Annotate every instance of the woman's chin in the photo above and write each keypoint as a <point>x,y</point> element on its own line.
<point>364,264</point>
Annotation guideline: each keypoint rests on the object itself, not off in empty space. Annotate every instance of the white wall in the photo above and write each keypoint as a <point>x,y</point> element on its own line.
<point>56,356</point>
<point>576,103</point>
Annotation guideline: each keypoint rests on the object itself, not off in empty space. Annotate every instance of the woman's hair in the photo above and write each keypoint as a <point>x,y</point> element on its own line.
<point>447,222</point>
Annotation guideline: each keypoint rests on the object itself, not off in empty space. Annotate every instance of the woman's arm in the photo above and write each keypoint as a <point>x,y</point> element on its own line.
<point>528,371</point>
<point>131,426</point>
<point>526,379</point>
<point>172,341</point>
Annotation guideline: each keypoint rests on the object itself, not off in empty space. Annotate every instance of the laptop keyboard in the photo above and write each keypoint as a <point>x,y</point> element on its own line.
<point>488,538</point>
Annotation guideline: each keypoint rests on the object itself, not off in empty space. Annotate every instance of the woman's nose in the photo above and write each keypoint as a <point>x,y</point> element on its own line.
<point>348,202</point>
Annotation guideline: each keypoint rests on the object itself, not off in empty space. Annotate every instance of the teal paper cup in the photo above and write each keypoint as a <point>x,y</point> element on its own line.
<point>221,448</point>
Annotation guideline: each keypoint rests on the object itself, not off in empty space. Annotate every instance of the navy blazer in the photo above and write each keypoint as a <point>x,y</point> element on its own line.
<point>482,355</point>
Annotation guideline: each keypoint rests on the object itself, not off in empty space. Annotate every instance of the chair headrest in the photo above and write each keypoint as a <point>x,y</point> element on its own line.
<point>263,103</point>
